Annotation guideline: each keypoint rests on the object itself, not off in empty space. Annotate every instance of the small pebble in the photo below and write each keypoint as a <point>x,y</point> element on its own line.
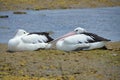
<point>114,54</point>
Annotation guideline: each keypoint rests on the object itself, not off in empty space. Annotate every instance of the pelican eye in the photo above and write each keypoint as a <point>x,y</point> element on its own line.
<point>24,32</point>
<point>76,30</point>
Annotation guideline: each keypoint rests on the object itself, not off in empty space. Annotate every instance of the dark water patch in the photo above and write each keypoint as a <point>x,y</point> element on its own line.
<point>4,27</point>
<point>19,12</point>
<point>4,16</point>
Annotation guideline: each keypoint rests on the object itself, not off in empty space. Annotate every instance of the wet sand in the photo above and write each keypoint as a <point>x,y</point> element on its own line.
<point>59,65</point>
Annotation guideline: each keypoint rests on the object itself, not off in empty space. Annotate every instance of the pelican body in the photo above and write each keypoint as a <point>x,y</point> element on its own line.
<point>24,41</point>
<point>80,39</point>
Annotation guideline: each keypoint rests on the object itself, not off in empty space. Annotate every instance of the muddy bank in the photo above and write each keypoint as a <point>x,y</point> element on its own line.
<point>55,4</point>
<point>58,65</point>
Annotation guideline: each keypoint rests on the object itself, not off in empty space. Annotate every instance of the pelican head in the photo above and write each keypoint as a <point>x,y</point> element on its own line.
<point>79,30</point>
<point>20,32</point>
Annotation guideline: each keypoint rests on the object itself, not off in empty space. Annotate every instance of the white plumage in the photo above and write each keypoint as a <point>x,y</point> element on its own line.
<point>80,39</point>
<point>25,41</point>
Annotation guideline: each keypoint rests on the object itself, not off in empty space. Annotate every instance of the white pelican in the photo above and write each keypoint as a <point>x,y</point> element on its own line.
<point>23,41</point>
<point>79,39</point>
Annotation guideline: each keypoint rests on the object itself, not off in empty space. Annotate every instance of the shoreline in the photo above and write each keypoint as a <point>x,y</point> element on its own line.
<point>112,45</point>
<point>56,9</point>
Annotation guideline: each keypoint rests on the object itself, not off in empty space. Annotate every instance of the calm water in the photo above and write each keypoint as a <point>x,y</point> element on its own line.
<point>102,21</point>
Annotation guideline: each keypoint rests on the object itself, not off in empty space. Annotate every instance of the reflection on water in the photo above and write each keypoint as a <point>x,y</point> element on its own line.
<point>102,21</point>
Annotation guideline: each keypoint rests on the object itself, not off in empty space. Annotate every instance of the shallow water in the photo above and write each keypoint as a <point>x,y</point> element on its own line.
<point>102,21</point>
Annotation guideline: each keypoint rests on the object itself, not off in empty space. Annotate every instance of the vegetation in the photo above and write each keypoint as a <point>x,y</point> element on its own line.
<point>59,65</point>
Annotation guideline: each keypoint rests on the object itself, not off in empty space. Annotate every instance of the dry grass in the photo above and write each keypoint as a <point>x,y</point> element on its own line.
<point>60,65</point>
<point>55,4</point>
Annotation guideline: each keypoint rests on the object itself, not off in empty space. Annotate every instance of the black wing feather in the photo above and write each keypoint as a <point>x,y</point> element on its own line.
<point>95,37</point>
<point>43,33</point>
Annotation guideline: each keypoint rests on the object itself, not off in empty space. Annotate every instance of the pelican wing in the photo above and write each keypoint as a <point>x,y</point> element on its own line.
<point>34,38</point>
<point>80,38</point>
<point>44,34</point>
<point>95,37</point>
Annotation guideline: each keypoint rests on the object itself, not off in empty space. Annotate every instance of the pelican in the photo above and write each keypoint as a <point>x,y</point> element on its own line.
<point>80,39</point>
<point>24,41</point>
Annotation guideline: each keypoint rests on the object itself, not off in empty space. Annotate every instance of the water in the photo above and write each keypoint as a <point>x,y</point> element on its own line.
<point>102,21</point>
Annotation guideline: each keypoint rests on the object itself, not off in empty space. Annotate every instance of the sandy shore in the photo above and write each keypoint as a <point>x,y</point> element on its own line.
<point>59,65</point>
